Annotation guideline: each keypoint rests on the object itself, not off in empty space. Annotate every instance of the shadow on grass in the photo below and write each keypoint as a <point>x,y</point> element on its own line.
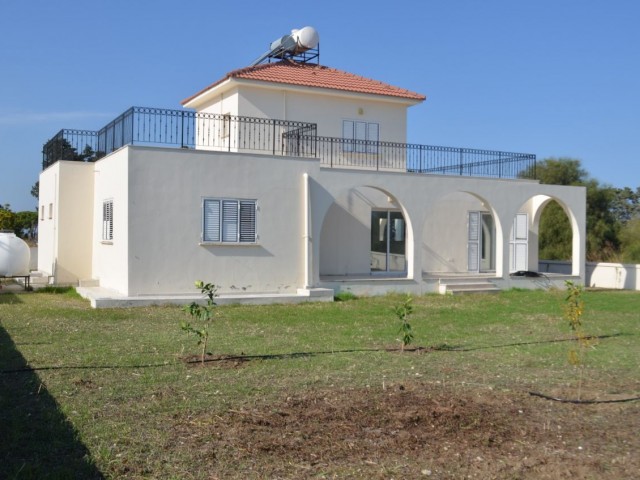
<point>36,439</point>
<point>444,347</point>
<point>9,298</point>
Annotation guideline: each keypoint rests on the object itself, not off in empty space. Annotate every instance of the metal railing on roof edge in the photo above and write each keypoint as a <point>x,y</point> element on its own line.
<point>188,129</point>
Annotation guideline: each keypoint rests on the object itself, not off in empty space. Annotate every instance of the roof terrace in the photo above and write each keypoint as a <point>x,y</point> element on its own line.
<point>227,133</point>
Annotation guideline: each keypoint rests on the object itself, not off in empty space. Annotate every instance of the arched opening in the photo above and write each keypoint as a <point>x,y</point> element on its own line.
<point>555,237</point>
<point>460,236</point>
<point>555,240</point>
<point>365,232</point>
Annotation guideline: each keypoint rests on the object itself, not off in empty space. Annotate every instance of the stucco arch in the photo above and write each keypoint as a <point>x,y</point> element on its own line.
<point>444,231</point>
<point>345,231</point>
<point>536,205</point>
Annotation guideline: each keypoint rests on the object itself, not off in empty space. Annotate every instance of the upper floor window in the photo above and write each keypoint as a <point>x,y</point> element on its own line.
<point>228,220</point>
<point>361,137</point>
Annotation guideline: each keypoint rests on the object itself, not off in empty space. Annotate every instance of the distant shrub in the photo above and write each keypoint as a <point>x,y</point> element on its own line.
<point>344,296</point>
<point>69,291</point>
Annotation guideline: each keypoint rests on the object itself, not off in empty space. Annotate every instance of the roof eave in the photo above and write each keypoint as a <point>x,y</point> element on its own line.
<point>224,85</point>
<point>207,93</point>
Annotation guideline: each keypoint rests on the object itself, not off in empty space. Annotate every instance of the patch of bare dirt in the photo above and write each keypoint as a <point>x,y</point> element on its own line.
<point>416,431</point>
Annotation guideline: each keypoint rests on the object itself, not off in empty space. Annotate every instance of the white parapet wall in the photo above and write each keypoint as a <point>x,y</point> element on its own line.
<point>621,276</point>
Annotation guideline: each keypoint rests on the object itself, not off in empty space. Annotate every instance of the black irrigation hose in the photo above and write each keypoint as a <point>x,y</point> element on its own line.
<point>280,356</point>
<point>582,402</point>
<point>82,367</point>
<point>557,340</point>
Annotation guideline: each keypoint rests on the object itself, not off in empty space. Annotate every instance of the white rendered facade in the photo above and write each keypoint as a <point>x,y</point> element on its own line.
<point>314,225</point>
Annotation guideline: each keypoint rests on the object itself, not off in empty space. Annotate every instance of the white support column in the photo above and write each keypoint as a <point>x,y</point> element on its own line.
<point>307,247</point>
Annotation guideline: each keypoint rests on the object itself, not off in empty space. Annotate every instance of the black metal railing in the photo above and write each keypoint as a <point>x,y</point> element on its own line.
<point>187,129</point>
<point>183,129</point>
<point>428,159</point>
<point>67,144</point>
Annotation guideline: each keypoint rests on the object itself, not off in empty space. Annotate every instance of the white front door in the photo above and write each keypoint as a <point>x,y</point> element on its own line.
<point>480,242</point>
<point>519,244</point>
<point>473,242</point>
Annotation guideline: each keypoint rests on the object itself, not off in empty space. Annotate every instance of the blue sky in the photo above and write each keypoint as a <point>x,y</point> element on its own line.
<point>549,77</point>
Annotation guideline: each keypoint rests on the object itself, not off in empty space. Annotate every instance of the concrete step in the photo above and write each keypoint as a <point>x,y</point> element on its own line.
<point>460,287</point>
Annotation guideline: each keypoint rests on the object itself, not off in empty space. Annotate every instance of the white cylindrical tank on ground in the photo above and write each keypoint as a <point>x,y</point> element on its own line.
<point>14,255</point>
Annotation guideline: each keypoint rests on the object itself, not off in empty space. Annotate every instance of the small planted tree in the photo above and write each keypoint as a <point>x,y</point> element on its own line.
<point>403,311</point>
<point>203,314</point>
<point>573,310</point>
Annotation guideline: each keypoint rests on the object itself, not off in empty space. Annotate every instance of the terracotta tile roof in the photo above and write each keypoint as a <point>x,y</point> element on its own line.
<point>310,75</point>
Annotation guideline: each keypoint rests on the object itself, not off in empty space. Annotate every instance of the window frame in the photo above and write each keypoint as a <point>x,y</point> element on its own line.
<point>354,131</point>
<point>229,221</point>
<point>107,220</point>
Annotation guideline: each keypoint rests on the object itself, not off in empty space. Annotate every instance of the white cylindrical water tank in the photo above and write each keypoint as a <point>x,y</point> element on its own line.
<point>305,39</point>
<point>14,255</point>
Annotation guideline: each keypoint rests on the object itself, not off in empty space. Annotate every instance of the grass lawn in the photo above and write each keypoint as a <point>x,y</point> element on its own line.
<point>318,390</point>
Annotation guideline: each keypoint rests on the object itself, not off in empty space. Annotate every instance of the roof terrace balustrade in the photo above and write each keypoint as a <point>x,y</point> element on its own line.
<point>204,131</point>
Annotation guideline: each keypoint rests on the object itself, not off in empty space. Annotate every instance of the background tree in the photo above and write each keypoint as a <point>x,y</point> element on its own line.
<point>630,241</point>
<point>602,224</point>
<point>26,224</point>
<point>7,218</point>
<point>35,190</point>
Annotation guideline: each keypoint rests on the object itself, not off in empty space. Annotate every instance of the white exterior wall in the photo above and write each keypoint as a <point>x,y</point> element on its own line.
<point>46,227</point>
<point>224,103</point>
<point>414,193</point>
<point>621,276</point>
<point>64,236</point>
<point>324,107</point>
<point>327,110</point>
<point>345,239</point>
<point>157,196</point>
<point>444,238</point>
<point>110,258</point>
<point>165,222</point>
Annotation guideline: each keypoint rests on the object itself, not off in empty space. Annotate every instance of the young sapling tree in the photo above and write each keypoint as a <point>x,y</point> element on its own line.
<point>403,311</point>
<point>203,314</point>
<point>573,310</point>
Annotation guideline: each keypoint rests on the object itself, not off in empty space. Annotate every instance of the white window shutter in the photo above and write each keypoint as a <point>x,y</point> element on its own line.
<point>211,227</point>
<point>247,221</point>
<point>520,228</point>
<point>519,244</point>
<point>347,135</point>
<point>229,221</point>
<point>373,134</point>
<point>107,220</point>
<point>473,242</point>
<point>360,136</point>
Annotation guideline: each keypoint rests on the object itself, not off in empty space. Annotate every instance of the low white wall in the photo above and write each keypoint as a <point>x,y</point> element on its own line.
<point>601,275</point>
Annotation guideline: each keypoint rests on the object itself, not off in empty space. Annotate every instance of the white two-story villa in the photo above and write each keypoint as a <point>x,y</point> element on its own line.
<point>287,180</point>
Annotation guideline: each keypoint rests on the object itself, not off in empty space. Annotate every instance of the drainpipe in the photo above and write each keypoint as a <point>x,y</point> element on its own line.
<point>307,231</point>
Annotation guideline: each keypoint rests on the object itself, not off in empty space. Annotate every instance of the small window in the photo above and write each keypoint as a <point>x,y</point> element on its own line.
<point>107,220</point>
<point>50,211</point>
<point>42,212</point>
<point>227,220</point>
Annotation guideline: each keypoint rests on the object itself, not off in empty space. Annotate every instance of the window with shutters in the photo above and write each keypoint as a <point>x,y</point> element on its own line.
<point>360,137</point>
<point>107,220</point>
<point>227,220</point>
